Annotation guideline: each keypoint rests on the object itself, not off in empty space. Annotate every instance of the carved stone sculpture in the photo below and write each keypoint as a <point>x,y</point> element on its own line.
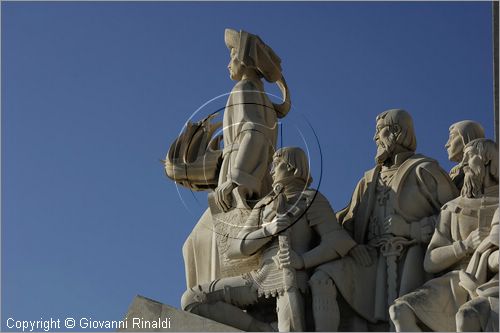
<point>250,121</point>
<point>390,217</point>
<point>194,158</point>
<point>461,133</point>
<point>284,229</point>
<point>481,281</point>
<point>462,225</point>
<point>250,130</point>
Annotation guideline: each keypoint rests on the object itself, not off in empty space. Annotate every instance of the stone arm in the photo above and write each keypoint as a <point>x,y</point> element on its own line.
<point>251,238</point>
<point>251,124</point>
<point>443,252</point>
<point>346,216</point>
<point>335,242</point>
<point>493,262</point>
<point>252,162</point>
<point>435,184</point>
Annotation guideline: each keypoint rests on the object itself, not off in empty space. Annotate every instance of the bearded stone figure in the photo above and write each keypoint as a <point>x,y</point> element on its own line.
<point>390,217</point>
<point>453,301</point>
<point>461,133</point>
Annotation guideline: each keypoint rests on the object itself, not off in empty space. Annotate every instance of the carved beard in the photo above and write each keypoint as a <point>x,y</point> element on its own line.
<point>473,181</point>
<point>385,148</point>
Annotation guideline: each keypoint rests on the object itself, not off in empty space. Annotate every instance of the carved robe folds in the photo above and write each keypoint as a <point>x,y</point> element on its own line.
<point>415,192</point>
<point>437,302</point>
<point>250,133</point>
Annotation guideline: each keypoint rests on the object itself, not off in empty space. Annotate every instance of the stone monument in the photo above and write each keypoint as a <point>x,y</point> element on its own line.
<point>250,130</point>
<point>463,224</point>
<point>295,229</point>
<point>390,217</point>
<point>269,253</point>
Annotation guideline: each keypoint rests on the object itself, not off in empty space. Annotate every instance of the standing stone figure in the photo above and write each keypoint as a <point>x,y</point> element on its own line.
<point>250,121</point>
<point>390,217</point>
<point>461,133</point>
<point>250,130</point>
<point>294,229</point>
<point>462,225</point>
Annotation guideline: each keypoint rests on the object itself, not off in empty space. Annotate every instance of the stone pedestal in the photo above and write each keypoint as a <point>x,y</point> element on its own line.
<point>147,315</point>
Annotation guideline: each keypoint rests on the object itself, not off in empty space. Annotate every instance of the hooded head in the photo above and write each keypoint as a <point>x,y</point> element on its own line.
<point>394,133</point>
<point>461,133</point>
<point>249,51</point>
<point>291,163</point>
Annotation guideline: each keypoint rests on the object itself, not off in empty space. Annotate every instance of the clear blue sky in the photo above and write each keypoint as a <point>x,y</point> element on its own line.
<point>94,93</point>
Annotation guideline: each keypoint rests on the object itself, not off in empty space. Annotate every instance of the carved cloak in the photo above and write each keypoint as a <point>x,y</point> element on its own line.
<point>420,187</point>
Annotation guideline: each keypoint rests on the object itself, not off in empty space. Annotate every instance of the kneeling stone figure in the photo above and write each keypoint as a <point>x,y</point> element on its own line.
<point>295,229</point>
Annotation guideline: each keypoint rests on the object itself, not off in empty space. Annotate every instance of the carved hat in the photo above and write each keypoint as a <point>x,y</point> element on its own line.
<point>254,53</point>
<point>468,130</point>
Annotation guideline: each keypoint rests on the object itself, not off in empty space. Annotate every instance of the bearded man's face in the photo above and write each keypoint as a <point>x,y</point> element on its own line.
<point>474,170</point>
<point>385,140</point>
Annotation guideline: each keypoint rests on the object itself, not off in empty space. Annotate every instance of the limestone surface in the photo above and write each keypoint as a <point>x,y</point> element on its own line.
<point>146,311</point>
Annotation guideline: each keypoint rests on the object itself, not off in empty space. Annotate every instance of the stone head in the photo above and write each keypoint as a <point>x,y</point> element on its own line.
<point>394,133</point>
<point>461,133</point>
<point>250,54</point>
<point>480,166</point>
<point>236,67</point>
<point>290,164</point>
<point>252,59</point>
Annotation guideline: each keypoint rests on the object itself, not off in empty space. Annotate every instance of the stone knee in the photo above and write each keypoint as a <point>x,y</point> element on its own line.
<point>468,319</point>
<point>320,282</point>
<point>192,297</point>
<point>403,317</point>
<point>220,305</point>
<point>398,311</point>
<point>238,295</point>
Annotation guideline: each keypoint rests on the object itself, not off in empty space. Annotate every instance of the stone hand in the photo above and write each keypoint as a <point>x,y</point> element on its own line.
<point>361,255</point>
<point>223,195</point>
<point>277,225</point>
<point>397,226</point>
<point>289,258</point>
<point>475,238</point>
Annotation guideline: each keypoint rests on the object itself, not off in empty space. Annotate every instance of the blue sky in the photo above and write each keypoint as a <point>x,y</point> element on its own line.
<point>94,93</point>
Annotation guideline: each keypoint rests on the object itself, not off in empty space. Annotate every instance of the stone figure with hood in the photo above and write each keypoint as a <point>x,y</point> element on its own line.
<point>391,218</point>
<point>293,230</point>
<point>465,249</point>
<point>238,173</point>
<point>461,133</point>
